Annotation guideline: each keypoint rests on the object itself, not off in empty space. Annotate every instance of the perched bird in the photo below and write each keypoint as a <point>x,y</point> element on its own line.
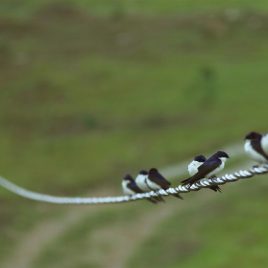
<point>130,187</point>
<point>256,146</point>
<point>195,164</point>
<point>193,169</point>
<point>142,182</point>
<point>209,168</point>
<point>156,181</point>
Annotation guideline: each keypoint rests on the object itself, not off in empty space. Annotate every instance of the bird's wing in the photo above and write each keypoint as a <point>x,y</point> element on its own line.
<point>256,144</point>
<point>160,180</point>
<point>203,171</point>
<point>134,187</point>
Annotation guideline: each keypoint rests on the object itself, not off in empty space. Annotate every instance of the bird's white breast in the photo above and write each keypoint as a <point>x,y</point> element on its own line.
<point>152,185</point>
<point>253,154</point>
<point>264,143</point>
<point>126,190</point>
<point>141,182</point>
<point>193,167</point>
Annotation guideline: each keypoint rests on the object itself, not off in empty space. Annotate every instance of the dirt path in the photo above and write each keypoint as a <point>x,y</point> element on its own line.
<point>33,243</point>
<point>128,237</point>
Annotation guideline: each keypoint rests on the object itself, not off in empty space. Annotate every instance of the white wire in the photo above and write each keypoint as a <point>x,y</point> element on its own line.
<point>204,183</point>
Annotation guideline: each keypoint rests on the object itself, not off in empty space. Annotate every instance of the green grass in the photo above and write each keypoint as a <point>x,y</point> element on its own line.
<point>18,9</point>
<point>85,99</point>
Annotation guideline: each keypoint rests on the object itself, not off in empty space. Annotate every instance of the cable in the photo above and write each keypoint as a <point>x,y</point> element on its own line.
<point>204,183</point>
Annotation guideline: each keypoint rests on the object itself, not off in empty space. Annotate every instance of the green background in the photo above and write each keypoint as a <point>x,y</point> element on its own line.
<point>92,90</point>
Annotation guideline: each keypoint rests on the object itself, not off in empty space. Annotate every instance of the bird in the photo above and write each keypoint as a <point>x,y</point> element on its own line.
<point>142,182</point>
<point>195,164</point>
<point>193,169</point>
<point>130,187</point>
<point>256,146</point>
<point>156,181</point>
<point>209,168</point>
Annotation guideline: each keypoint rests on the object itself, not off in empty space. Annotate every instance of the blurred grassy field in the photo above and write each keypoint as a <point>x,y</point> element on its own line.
<point>92,90</point>
<point>15,8</point>
<point>226,232</point>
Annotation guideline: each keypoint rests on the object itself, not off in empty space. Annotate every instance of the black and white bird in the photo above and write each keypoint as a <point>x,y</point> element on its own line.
<point>256,146</point>
<point>209,168</point>
<point>193,169</point>
<point>156,181</point>
<point>130,187</point>
<point>142,182</point>
<point>195,164</point>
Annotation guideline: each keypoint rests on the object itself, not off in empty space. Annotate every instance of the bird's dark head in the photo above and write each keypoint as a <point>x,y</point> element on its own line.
<point>153,171</point>
<point>253,136</point>
<point>143,172</point>
<point>200,158</point>
<point>128,178</point>
<point>222,154</point>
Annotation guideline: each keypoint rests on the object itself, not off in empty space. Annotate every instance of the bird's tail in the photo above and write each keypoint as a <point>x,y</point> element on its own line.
<point>152,200</point>
<point>159,198</point>
<point>178,196</point>
<point>215,188</point>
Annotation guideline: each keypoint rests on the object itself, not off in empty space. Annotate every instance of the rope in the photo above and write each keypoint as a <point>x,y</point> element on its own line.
<point>204,183</point>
